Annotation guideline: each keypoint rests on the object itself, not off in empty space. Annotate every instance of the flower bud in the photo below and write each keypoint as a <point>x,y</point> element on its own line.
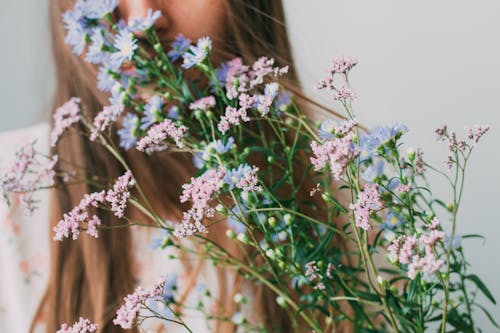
<point>281,301</point>
<point>198,114</point>
<point>239,299</point>
<point>230,233</point>
<point>221,209</point>
<point>242,237</point>
<point>272,221</point>
<point>270,253</point>
<point>210,115</point>
<point>270,159</point>
<point>288,219</point>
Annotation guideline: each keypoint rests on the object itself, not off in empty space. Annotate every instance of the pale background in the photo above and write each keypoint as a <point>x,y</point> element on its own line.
<point>423,63</point>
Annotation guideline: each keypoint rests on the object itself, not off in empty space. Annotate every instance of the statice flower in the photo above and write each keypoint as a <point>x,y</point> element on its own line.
<point>179,46</point>
<point>197,54</point>
<point>128,133</point>
<point>128,313</point>
<point>244,177</point>
<point>119,194</point>
<point>232,116</point>
<point>64,117</point>
<point>156,137</point>
<point>143,24</point>
<point>203,104</point>
<point>126,44</point>
<point>108,115</point>
<point>152,112</point>
<point>28,172</point>
<point>336,152</point>
<point>95,53</point>
<point>341,65</point>
<point>71,221</point>
<point>344,94</point>
<point>263,67</point>
<point>200,191</point>
<point>368,202</point>
<point>83,325</point>
<point>312,274</point>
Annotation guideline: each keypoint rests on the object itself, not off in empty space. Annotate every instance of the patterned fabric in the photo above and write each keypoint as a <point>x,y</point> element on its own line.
<point>24,255</point>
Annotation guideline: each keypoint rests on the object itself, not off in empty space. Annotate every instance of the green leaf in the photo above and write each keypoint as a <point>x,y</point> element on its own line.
<point>368,296</point>
<point>477,281</point>
<point>488,315</point>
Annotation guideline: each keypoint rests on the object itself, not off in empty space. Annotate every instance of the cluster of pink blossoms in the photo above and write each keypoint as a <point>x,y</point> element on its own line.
<point>418,252</point>
<point>312,274</point>
<point>368,202</point>
<point>341,65</point>
<point>203,104</point>
<point>337,151</point>
<point>239,81</point>
<point>117,197</point>
<point>29,172</point>
<point>64,117</point>
<point>83,325</point>
<point>108,115</point>
<point>473,134</point>
<point>344,93</point>
<point>157,134</point>
<point>128,312</point>
<point>200,191</point>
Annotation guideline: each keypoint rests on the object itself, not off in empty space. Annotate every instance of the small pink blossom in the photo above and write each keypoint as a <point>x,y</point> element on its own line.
<point>344,94</point>
<point>64,117</point>
<point>341,65</point>
<point>108,115</point>
<point>204,104</point>
<point>200,191</point>
<point>157,134</point>
<point>119,195</point>
<point>404,188</point>
<point>368,202</point>
<point>81,326</point>
<point>232,117</point>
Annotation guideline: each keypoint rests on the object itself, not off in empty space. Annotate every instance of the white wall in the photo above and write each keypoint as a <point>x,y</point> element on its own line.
<point>423,63</point>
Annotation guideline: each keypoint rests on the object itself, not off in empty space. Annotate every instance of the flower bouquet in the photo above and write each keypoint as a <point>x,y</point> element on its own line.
<point>338,221</point>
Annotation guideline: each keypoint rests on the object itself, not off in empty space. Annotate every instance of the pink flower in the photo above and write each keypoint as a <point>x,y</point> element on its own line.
<point>344,93</point>
<point>127,314</point>
<point>64,117</point>
<point>233,117</point>
<point>341,65</point>
<point>368,202</point>
<point>28,172</point>
<point>200,191</point>
<point>157,134</point>
<point>404,188</point>
<point>203,104</point>
<point>81,326</point>
<point>119,195</point>
<point>108,115</point>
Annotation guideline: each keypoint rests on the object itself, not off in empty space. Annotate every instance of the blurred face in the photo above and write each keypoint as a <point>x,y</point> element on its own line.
<point>192,18</point>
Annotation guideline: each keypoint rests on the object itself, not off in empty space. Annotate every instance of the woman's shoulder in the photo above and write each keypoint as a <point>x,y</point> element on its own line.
<point>24,241</point>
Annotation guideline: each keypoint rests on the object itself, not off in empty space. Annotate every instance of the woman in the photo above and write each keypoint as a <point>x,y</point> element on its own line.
<point>90,277</point>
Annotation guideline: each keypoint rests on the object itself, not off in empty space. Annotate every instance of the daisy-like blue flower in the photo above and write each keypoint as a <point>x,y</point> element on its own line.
<point>456,242</point>
<point>222,72</point>
<point>118,95</point>
<point>128,133</point>
<point>76,30</point>
<point>326,129</point>
<point>179,46</point>
<point>218,147</point>
<point>173,112</point>
<point>152,112</point>
<point>143,24</point>
<point>158,242</point>
<point>95,53</point>
<point>373,171</point>
<point>197,54</point>
<point>126,44</point>
<point>104,79</point>
<point>198,161</point>
<point>234,176</point>
<point>393,220</point>
<point>234,223</point>
<point>381,135</point>
<point>284,100</point>
<point>97,9</point>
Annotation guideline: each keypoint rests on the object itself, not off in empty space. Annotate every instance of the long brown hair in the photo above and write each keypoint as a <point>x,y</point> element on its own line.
<point>89,277</point>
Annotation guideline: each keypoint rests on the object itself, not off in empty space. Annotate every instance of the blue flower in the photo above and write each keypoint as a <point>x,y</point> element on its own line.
<point>173,112</point>
<point>158,242</point>
<point>96,9</point>
<point>373,171</point>
<point>198,161</point>
<point>393,220</point>
<point>326,129</point>
<point>218,147</point>
<point>284,100</point>
<point>234,176</point>
<point>379,136</point>
<point>118,95</point>
<point>104,79</point>
<point>143,24</point>
<point>126,44</point>
<point>179,46</point>
<point>456,242</point>
<point>152,112</point>
<point>197,54</point>
<point>76,30</point>
<point>222,72</point>
<point>233,222</point>
<point>128,133</point>
<point>95,54</point>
